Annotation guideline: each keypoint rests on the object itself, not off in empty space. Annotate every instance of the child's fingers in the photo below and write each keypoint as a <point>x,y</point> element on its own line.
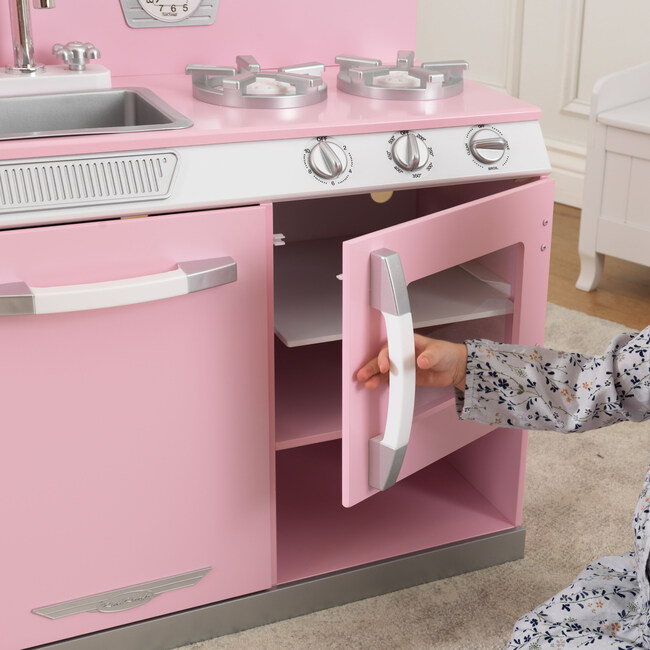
<point>383,362</point>
<point>375,381</point>
<point>369,370</point>
<point>428,358</point>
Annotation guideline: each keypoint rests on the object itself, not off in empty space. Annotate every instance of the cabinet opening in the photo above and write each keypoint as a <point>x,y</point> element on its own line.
<point>308,291</point>
<point>308,267</point>
<point>354,215</point>
<point>307,394</point>
<point>465,302</point>
<point>308,384</point>
<point>454,499</point>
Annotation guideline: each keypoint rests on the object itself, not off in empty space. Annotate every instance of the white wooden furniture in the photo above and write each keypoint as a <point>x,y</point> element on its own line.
<point>616,206</point>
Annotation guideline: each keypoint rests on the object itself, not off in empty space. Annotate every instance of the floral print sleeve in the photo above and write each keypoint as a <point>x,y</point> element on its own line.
<point>539,388</point>
<point>608,604</point>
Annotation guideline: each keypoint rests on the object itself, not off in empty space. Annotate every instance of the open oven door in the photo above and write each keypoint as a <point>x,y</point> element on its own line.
<point>418,274</point>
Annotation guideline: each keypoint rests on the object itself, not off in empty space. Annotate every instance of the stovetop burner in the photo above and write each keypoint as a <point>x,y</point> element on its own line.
<point>246,86</point>
<point>404,80</point>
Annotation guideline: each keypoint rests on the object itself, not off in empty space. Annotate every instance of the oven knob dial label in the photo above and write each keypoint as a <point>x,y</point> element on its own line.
<point>329,162</point>
<point>487,147</point>
<point>410,153</point>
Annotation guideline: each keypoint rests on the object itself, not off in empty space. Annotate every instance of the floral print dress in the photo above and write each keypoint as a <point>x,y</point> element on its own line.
<point>608,604</point>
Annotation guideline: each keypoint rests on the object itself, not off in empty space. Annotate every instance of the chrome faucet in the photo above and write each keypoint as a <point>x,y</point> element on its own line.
<point>21,34</point>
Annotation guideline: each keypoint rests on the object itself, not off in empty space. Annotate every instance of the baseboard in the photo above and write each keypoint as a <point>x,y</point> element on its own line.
<point>306,596</point>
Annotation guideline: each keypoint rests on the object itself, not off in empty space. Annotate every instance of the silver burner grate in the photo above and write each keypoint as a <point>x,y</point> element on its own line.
<point>404,80</point>
<point>247,86</point>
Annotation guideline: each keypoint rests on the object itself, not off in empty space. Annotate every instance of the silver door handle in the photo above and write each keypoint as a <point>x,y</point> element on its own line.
<point>389,294</point>
<point>17,298</point>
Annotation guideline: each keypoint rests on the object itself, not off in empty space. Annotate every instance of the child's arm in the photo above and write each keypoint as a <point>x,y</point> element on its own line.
<point>533,387</point>
<point>538,388</point>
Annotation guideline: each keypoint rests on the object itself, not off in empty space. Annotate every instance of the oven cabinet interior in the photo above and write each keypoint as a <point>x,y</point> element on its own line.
<point>135,439</point>
<point>475,260</point>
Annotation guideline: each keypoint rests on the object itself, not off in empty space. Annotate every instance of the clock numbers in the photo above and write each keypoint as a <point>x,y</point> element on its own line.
<point>170,12</point>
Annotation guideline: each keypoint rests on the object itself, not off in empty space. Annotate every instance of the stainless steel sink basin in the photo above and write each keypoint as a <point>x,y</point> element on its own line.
<point>120,110</point>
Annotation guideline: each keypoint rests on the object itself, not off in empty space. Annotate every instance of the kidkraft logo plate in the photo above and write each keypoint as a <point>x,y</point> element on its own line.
<point>128,600</point>
<point>120,600</point>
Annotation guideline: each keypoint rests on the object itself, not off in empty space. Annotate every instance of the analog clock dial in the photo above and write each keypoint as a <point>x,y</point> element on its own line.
<point>169,11</point>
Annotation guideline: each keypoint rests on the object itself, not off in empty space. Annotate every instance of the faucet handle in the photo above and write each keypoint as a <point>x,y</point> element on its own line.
<point>76,54</point>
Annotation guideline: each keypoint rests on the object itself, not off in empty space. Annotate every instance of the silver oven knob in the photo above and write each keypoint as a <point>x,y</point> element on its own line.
<point>488,146</point>
<point>327,160</point>
<point>410,152</point>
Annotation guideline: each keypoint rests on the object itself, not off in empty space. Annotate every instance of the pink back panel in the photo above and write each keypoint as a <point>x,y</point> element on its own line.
<point>317,535</point>
<point>276,33</point>
<point>129,452</point>
<point>490,464</point>
<point>428,245</point>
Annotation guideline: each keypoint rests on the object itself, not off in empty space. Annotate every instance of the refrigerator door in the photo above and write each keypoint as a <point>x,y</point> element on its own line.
<point>135,469</point>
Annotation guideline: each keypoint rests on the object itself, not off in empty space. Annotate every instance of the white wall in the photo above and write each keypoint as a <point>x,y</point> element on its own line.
<point>548,52</point>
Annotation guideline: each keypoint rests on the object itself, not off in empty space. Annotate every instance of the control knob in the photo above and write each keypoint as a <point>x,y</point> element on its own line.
<point>327,160</point>
<point>410,152</point>
<point>488,146</point>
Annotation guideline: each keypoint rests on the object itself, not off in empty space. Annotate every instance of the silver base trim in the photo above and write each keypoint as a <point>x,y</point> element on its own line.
<point>299,598</point>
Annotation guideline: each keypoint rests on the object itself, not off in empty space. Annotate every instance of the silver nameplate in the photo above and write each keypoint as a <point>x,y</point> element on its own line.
<point>120,600</point>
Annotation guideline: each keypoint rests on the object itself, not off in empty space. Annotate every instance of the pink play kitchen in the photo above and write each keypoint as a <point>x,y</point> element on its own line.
<point>212,214</point>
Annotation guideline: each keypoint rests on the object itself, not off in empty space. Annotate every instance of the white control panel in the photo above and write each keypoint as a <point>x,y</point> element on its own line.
<point>405,158</point>
<point>240,173</point>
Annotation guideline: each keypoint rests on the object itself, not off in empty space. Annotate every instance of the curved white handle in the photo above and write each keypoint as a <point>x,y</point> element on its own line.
<point>388,294</point>
<point>17,298</point>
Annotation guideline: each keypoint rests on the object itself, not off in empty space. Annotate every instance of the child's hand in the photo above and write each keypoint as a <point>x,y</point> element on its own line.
<point>438,363</point>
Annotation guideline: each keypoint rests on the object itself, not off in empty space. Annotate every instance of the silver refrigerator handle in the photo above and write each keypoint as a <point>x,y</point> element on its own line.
<point>17,298</point>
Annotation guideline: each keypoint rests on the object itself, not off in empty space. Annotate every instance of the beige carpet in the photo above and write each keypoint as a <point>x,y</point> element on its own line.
<point>580,497</point>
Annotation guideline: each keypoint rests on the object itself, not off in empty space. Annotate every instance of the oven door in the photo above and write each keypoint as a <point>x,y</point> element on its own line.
<point>420,274</point>
<point>136,477</point>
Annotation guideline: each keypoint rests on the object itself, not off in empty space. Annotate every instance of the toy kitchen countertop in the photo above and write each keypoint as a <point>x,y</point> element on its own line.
<point>341,144</point>
<point>340,114</point>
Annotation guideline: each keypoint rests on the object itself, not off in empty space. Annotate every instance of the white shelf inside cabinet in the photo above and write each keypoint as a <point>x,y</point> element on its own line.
<point>308,294</point>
